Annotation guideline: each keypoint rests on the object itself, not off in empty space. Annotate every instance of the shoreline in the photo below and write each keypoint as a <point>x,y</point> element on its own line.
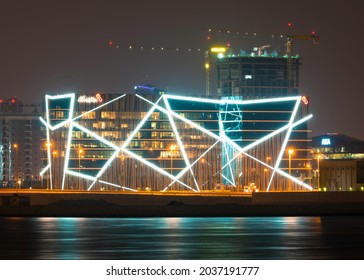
<point>103,210</point>
<point>96,204</point>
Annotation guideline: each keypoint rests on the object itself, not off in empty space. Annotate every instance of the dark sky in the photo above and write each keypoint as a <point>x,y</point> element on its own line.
<point>60,46</point>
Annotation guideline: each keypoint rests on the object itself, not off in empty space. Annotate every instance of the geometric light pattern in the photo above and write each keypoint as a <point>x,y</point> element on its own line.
<point>231,150</point>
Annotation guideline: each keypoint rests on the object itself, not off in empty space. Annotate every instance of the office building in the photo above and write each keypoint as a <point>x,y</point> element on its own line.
<point>339,162</point>
<point>149,141</point>
<point>259,75</point>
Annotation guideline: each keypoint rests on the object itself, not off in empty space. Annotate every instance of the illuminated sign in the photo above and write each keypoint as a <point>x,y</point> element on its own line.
<point>325,141</point>
<point>90,99</point>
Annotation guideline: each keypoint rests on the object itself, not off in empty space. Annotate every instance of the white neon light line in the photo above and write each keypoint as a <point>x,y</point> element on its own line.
<point>107,164</point>
<point>285,141</point>
<point>232,101</point>
<point>125,143</point>
<point>110,144</point>
<point>251,145</point>
<point>92,184</point>
<point>117,186</point>
<point>49,126</point>
<point>71,109</point>
<point>44,122</point>
<point>177,116</point>
<point>195,126</point>
<point>152,166</point>
<point>72,106</point>
<point>41,173</point>
<point>84,176</point>
<point>98,107</point>
<point>139,126</point>
<point>281,172</point>
<point>223,135</point>
<point>270,135</point>
<point>248,147</point>
<point>44,170</point>
<point>98,137</point>
<point>174,114</point>
<point>228,165</point>
<point>185,120</point>
<point>188,167</point>
<point>180,144</point>
<point>49,156</point>
<point>67,154</point>
<point>222,175</point>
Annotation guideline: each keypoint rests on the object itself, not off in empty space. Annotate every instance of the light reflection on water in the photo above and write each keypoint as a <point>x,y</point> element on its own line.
<point>182,238</point>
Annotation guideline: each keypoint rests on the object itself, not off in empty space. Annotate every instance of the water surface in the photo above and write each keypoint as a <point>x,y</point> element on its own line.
<point>183,238</point>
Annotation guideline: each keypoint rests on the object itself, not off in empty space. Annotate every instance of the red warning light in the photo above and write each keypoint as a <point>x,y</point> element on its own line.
<point>313,33</point>
<point>228,45</point>
<point>289,24</point>
<point>111,43</point>
<point>208,37</point>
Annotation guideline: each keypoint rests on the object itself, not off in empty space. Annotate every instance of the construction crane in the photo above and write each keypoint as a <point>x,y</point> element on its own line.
<point>289,51</point>
<point>209,53</point>
<point>218,49</point>
<point>290,38</point>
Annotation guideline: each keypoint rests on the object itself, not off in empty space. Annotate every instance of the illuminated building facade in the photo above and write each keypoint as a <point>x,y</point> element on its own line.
<point>20,138</point>
<point>253,75</point>
<point>153,142</point>
<point>339,162</point>
<point>257,76</point>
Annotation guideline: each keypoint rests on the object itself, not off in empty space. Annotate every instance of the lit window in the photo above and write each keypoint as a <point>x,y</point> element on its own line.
<point>108,115</point>
<point>89,116</point>
<point>59,114</point>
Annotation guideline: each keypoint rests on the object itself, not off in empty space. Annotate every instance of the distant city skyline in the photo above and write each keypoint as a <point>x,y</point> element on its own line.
<point>50,48</point>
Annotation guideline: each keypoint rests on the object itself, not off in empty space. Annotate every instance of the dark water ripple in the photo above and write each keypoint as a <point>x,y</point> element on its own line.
<point>183,238</point>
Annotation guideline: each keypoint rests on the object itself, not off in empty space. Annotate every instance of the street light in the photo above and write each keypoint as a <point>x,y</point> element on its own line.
<point>172,148</point>
<point>266,170</point>
<point>49,178</point>
<point>290,153</point>
<point>309,173</point>
<point>16,163</point>
<point>80,151</point>
<point>54,153</point>
<point>318,171</point>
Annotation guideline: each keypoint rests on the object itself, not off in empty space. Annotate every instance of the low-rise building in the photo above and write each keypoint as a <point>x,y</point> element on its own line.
<point>339,162</point>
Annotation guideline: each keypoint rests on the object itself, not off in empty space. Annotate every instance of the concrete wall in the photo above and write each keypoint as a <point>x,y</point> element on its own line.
<point>307,197</point>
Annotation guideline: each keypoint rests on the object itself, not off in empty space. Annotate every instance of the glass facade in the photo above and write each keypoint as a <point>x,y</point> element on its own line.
<point>162,142</point>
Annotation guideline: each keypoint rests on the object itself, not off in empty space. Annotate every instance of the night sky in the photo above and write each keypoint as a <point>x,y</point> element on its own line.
<point>50,47</point>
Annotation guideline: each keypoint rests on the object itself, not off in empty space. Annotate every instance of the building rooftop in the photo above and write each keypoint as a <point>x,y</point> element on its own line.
<point>338,146</point>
